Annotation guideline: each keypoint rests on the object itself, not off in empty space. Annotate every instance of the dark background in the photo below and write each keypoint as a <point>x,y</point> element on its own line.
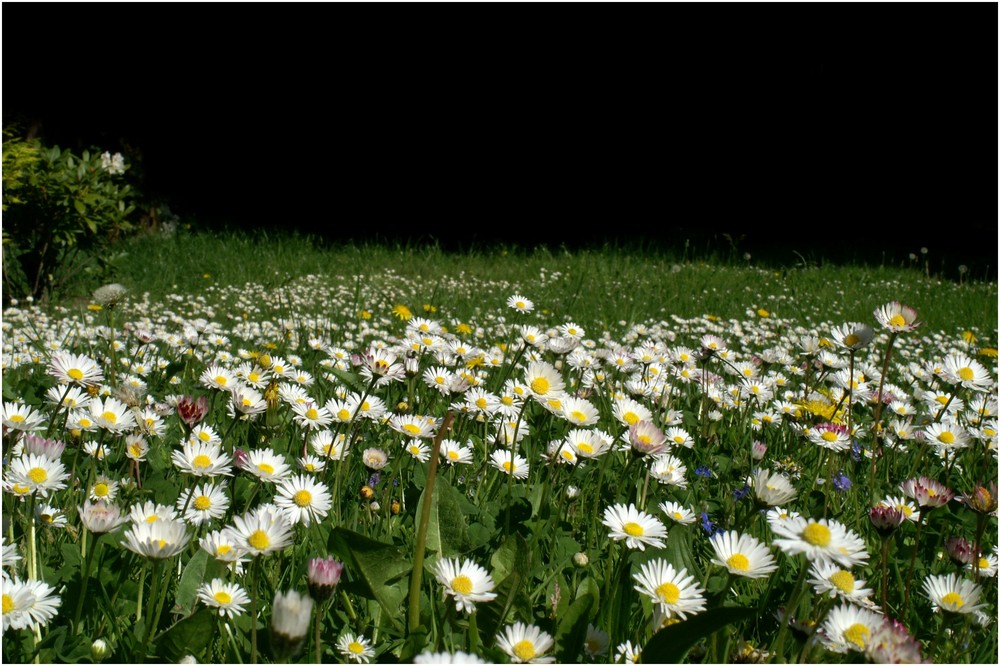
<point>840,131</point>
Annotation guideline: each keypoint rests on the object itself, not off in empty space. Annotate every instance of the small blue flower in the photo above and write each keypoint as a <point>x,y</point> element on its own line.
<point>704,471</point>
<point>374,479</point>
<point>841,482</point>
<point>856,450</point>
<point>741,492</point>
<point>707,524</point>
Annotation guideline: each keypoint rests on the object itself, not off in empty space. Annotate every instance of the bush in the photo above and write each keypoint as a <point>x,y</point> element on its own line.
<point>61,213</point>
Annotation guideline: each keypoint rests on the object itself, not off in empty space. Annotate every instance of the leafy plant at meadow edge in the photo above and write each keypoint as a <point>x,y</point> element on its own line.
<point>61,214</point>
<point>541,538</point>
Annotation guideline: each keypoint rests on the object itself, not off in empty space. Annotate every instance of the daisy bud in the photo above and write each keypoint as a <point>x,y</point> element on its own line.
<point>885,519</point>
<point>324,574</point>
<point>192,410</point>
<point>758,450</point>
<point>290,617</point>
<point>395,507</point>
<point>240,458</point>
<point>982,499</point>
<point>960,550</point>
<point>99,650</point>
<point>581,560</point>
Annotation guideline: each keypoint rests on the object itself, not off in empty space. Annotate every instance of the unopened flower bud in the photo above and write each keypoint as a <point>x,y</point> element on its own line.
<point>99,650</point>
<point>324,575</point>
<point>581,560</point>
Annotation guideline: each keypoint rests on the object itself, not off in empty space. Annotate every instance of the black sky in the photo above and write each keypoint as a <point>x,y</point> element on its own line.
<point>823,127</point>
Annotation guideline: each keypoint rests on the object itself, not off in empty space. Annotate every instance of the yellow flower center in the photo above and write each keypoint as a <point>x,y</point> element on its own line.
<point>312,414</point>
<point>223,598</point>
<point>462,584</point>
<point>966,374</point>
<point>584,447</point>
<point>253,377</point>
<point>259,540</point>
<point>579,416</point>
<point>201,461</point>
<point>843,581</point>
<point>204,436</point>
<point>8,603</point>
<point>952,601</point>
<point>633,529</point>
<point>415,451</point>
<point>110,417</point>
<point>411,429</point>
<point>851,340</point>
<point>38,475</point>
<point>947,438</point>
<point>508,466</point>
<point>344,415</point>
<point>202,503</point>
<point>75,374</point>
<point>135,450</point>
<point>302,498</point>
<point>631,418</point>
<point>829,436</point>
<point>223,549</point>
<point>897,320</point>
<point>668,592</point>
<point>816,534</point>
<point>265,468</point>
<point>356,647</point>
<point>101,489</point>
<point>220,380</point>
<point>738,561</point>
<point>540,385</point>
<point>524,650</point>
<point>857,634</point>
<point>152,518</point>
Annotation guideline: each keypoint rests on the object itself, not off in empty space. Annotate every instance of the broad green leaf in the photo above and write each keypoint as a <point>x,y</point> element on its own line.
<point>191,579</point>
<point>511,563</point>
<point>190,636</point>
<point>572,630</point>
<point>670,645</point>
<point>447,532</point>
<point>376,566</point>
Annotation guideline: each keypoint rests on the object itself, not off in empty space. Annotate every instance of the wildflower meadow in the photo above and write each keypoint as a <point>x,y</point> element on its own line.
<point>458,469</point>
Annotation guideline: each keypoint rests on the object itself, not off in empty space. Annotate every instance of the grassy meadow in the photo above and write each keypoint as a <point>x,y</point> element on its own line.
<point>278,449</point>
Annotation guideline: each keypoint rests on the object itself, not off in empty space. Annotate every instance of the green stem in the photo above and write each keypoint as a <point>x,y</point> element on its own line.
<point>416,577</point>
<point>87,563</point>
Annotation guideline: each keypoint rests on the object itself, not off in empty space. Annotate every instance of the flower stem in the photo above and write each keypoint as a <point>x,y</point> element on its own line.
<point>87,563</point>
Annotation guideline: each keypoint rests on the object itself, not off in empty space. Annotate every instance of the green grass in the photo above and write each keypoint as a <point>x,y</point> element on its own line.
<point>600,286</point>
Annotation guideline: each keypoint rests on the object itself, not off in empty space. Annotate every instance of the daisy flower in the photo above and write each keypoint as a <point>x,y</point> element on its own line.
<point>103,489</point>
<point>668,470</point>
<point>962,370</point>
<point>820,540</point>
<point>772,489</point>
<point>203,503</point>
<point>112,414</point>
<point>543,380</point>
<point>101,517</point>
<point>587,443</point>
<point>310,416</point>
<point>578,411</point>
<point>849,627</point>
<point>355,648</point>
<point>828,578</point>
<point>418,450</point>
<point>327,446</point>
<point>136,447</point>
<point>69,397</point>
<point>8,556</point>
<point>374,459</point>
<point>628,411</point>
<point>267,465</point>
<point>29,603</point>
<point>628,653</point>
<point>76,369</point>
<point>37,473</point>
<point>908,509</point>
<point>466,581</point>
<point>525,644</point>
<point>413,425</point>
<point>897,317</point>
<point>520,303</point>
<point>677,593</point>
<point>646,439</point>
<point>742,555</point>
<point>149,512</point>
<point>222,545</point>
<point>217,377</point>
<point>159,539</point>
<point>830,436</point>
<point>303,499</point>
<point>458,657</point>
<point>261,532</point>
<point>311,464</point>
<point>21,417</point>
<point>50,516</point>
<point>953,594</point>
<point>203,459</point>
<point>518,466</point>
<point>454,453</point>
<point>678,513</point>
<point>228,598</point>
<point>637,528</point>
<point>204,433</point>
<point>853,335</point>
<point>290,614</point>
<point>987,565</point>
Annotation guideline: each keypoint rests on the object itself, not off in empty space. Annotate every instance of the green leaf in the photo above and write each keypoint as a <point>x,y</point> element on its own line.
<point>572,630</point>
<point>511,563</point>
<point>680,550</point>
<point>349,379</point>
<point>191,579</point>
<point>447,532</point>
<point>80,208</point>
<point>377,566</point>
<point>190,636</point>
<point>670,645</point>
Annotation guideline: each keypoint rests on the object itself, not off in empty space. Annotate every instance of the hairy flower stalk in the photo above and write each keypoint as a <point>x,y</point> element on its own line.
<point>425,518</point>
